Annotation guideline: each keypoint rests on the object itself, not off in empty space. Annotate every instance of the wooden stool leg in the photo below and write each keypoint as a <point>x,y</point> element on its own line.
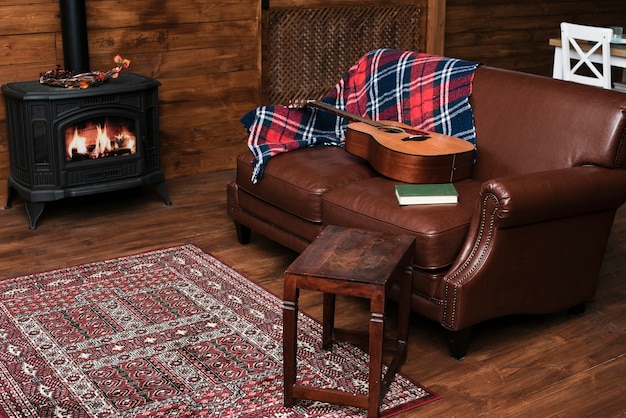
<point>404,311</point>
<point>290,335</point>
<point>328,321</point>
<point>376,337</point>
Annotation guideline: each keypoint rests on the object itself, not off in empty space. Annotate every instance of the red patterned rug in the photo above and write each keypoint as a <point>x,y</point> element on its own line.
<point>168,333</point>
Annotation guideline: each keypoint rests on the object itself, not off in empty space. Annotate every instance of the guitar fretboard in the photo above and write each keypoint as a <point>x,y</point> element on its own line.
<point>415,133</point>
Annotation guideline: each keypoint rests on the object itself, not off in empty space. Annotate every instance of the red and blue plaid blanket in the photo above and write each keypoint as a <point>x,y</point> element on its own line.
<point>424,91</point>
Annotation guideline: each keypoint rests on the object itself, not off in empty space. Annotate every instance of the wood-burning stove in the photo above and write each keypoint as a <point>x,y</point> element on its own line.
<point>75,142</point>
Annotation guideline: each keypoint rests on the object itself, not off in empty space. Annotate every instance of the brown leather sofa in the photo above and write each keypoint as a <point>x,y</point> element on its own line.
<point>530,230</point>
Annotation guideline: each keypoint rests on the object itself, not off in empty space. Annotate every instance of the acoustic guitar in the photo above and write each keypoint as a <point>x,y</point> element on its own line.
<point>403,153</point>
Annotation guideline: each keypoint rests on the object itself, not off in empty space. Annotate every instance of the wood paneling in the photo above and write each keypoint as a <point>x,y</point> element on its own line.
<point>207,55</point>
<point>435,27</point>
<point>515,35</point>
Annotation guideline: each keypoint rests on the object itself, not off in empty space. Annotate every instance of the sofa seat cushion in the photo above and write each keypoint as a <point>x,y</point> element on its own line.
<point>439,230</point>
<point>295,181</point>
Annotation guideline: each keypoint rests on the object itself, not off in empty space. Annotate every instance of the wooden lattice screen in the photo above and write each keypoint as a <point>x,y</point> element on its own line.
<point>306,51</point>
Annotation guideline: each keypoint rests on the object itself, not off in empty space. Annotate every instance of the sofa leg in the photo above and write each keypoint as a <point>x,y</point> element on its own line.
<point>458,342</point>
<point>243,233</point>
<point>577,310</point>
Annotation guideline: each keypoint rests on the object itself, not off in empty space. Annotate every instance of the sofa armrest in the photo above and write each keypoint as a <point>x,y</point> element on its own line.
<point>546,195</point>
<point>532,237</point>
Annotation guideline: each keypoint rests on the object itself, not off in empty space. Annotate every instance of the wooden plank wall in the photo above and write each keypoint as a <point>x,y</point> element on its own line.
<point>206,54</point>
<point>514,35</point>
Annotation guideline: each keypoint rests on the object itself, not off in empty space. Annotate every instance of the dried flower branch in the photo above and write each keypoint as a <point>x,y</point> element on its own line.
<point>65,78</point>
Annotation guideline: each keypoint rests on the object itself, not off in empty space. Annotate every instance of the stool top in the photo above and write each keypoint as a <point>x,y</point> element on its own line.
<point>353,254</point>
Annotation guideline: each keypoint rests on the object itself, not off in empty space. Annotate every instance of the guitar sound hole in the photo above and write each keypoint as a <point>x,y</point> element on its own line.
<point>391,129</point>
<point>416,138</point>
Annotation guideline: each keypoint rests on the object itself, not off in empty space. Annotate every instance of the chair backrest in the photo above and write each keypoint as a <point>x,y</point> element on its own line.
<point>582,46</point>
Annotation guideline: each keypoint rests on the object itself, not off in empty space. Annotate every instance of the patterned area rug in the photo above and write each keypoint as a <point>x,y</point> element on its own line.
<point>168,333</point>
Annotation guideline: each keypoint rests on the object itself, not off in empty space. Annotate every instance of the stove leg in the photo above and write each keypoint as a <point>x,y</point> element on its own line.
<point>34,210</point>
<point>11,193</point>
<point>161,189</point>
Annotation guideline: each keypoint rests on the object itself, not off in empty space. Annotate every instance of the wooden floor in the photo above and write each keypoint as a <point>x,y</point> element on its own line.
<point>552,365</point>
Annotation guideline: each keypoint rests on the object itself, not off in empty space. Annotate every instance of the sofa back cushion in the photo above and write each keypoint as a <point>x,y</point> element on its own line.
<point>527,123</point>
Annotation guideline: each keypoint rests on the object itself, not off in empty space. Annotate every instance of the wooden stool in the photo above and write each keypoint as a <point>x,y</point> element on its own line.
<point>358,263</point>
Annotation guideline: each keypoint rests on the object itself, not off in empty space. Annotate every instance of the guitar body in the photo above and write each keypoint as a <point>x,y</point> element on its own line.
<point>403,153</point>
<point>436,159</point>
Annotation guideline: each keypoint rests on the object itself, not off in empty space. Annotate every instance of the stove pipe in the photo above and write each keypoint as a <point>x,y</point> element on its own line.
<point>74,31</point>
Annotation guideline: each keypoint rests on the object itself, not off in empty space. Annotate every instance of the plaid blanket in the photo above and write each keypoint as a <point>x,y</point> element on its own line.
<point>424,91</point>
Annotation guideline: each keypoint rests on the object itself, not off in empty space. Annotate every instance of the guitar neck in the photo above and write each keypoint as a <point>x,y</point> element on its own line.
<point>414,134</point>
<point>342,113</point>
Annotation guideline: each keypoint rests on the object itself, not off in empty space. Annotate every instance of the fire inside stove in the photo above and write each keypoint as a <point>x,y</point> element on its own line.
<point>100,138</point>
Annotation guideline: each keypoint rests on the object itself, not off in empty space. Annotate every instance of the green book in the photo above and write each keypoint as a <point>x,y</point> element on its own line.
<point>426,194</point>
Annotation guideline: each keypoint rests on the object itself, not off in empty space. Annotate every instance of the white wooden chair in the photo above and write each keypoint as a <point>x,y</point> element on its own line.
<point>581,47</point>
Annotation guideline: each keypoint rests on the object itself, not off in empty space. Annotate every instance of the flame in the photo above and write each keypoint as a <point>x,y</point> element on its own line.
<point>99,139</point>
<point>103,143</point>
<point>78,144</point>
